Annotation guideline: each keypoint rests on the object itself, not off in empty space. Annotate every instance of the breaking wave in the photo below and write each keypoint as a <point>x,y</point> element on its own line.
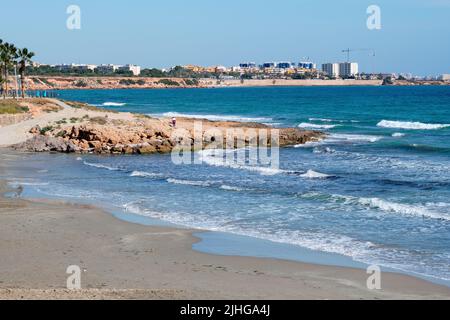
<point>189,182</point>
<point>144,174</point>
<point>113,104</point>
<point>387,206</point>
<point>214,117</point>
<point>306,125</point>
<point>411,125</point>
<point>311,174</point>
<point>101,166</point>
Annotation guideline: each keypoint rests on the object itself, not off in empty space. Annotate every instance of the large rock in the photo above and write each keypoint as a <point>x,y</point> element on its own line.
<point>42,143</point>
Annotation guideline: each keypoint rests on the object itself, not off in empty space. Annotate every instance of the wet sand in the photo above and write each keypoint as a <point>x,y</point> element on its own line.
<point>39,239</point>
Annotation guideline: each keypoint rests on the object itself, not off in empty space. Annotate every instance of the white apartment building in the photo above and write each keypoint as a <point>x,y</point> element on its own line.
<point>221,69</point>
<point>73,66</point>
<point>66,67</point>
<point>136,70</point>
<point>107,68</point>
<point>331,69</point>
<point>444,77</point>
<point>348,69</point>
<point>86,67</point>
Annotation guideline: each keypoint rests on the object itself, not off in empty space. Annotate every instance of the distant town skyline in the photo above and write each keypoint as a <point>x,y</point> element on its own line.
<point>412,38</point>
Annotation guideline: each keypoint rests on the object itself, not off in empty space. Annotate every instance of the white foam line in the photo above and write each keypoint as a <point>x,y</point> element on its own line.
<point>306,125</point>
<point>189,182</point>
<point>411,125</point>
<point>215,117</point>
<point>100,166</point>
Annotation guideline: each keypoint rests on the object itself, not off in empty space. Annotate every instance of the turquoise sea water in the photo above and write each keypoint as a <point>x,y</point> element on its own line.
<point>384,199</point>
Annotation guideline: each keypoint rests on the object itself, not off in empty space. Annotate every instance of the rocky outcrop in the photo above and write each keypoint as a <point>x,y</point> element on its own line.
<point>42,143</point>
<point>145,136</point>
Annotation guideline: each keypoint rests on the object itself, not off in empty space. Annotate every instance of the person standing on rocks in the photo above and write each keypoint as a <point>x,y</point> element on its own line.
<point>174,122</point>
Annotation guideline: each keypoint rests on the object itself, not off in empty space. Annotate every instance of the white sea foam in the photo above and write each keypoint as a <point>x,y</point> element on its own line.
<point>215,158</point>
<point>405,209</point>
<point>332,120</point>
<point>231,188</point>
<point>144,174</point>
<point>324,150</point>
<point>113,104</point>
<point>190,182</point>
<point>79,159</point>
<point>100,166</point>
<point>308,144</point>
<point>311,174</point>
<point>398,135</point>
<point>306,125</point>
<point>321,119</point>
<point>417,210</point>
<point>411,125</point>
<point>362,251</point>
<point>15,184</point>
<point>337,137</point>
<point>215,117</point>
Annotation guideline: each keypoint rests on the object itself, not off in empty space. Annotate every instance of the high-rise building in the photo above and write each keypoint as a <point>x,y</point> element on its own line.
<point>266,65</point>
<point>284,65</point>
<point>248,65</point>
<point>348,69</point>
<point>331,69</point>
<point>107,68</point>
<point>307,65</point>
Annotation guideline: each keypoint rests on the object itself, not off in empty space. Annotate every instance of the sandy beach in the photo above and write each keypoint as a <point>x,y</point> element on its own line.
<point>40,239</point>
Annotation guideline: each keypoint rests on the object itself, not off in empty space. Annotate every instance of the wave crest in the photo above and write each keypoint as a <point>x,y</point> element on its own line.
<point>113,104</point>
<point>411,125</point>
<point>306,125</point>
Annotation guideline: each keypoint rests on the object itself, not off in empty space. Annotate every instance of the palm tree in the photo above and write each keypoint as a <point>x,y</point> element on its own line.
<point>24,57</point>
<point>8,55</point>
<point>1,65</point>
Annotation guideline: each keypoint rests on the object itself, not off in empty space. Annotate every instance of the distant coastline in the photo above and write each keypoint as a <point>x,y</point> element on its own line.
<point>89,83</point>
<point>76,82</point>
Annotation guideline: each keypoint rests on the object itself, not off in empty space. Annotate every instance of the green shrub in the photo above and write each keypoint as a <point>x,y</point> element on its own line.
<point>169,82</point>
<point>46,129</point>
<point>81,84</point>
<point>191,82</point>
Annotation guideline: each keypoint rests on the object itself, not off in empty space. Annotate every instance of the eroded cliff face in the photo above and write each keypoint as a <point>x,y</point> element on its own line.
<point>78,82</point>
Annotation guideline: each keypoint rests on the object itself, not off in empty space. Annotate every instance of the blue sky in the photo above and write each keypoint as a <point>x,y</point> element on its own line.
<point>415,34</point>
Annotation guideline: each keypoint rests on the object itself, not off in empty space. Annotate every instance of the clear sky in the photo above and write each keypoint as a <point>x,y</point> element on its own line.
<point>415,34</point>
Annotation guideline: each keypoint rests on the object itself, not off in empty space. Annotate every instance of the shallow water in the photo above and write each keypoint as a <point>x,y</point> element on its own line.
<point>377,190</point>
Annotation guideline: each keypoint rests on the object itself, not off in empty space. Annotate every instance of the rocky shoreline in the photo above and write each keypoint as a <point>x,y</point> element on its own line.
<point>108,133</point>
<point>117,82</point>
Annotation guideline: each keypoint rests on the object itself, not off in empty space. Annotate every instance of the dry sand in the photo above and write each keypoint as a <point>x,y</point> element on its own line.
<point>39,239</point>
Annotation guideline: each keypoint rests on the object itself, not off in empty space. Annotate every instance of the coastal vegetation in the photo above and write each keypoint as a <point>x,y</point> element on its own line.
<point>169,82</point>
<point>14,60</point>
<point>11,107</point>
<point>191,82</point>
<point>129,82</point>
<point>81,84</point>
